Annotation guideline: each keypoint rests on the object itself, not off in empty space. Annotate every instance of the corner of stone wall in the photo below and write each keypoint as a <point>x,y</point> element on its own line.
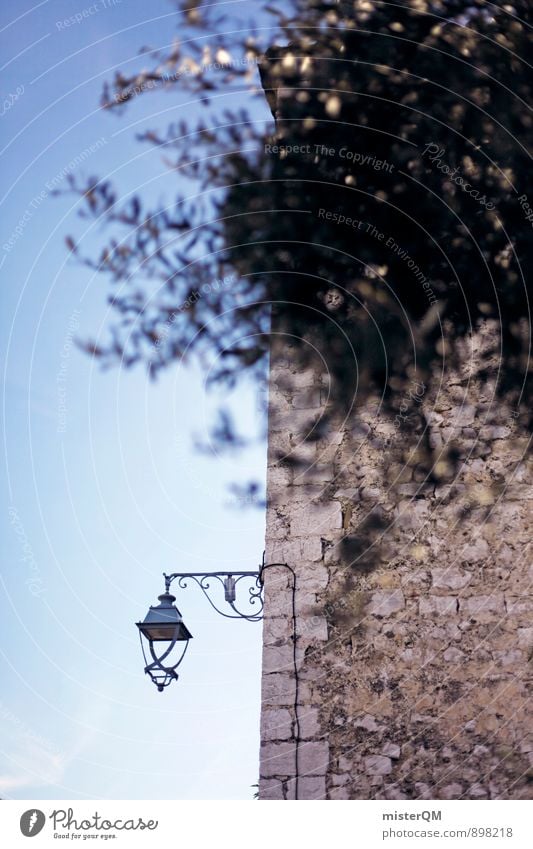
<point>413,674</point>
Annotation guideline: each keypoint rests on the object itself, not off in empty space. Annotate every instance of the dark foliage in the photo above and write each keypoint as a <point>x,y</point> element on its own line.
<point>410,119</point>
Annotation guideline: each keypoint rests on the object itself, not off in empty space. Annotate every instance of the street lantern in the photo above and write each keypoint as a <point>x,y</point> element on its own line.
<point>163,624</point>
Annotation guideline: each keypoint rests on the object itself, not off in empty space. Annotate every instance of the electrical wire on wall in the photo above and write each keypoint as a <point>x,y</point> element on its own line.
<point>264,567</point>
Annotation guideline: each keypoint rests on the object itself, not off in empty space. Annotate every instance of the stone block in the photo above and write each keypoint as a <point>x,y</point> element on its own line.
<point>367,722</point>
<point>350,494</point>
<point>339,780</point>
<point>277,759</point>
<point>278,597</point>
<point>391,750</point>
<point>409,489</point>
<point>435,440</point>
<point>307,605</point>
<point>309,726</point>
<point>339,793</point>
<point>438,606</point>
<point>481,604</point>
<point>423,790</point>
<point>279,409</point>
<point>303,451</point>
<point>453,655</point>
<point>314,577</point>
<point>276,578</point>
<point>477,791</point>
<point>277,526</point>
<point>302,496</point>
<point>312,787</point>
<point>306,399</point>
<point>333,552</point>
<point>525,637</point>
<point>371,493</point>
<point>360,430</point>
<point>279,477</point>
<point>300,423</point>
<point>512,657</point>
<point>475,552</point>
<point>451,791</point>
<point>278,689</point>
<point>494,432</point>
<point>377,765</point>
<point>295,551</point>
<point>296,380</point>
<point>281,658</point>
<point>462,416</point>
<point>304,693</point>
<point>279,443</point>
<point>520,607</point>
<point>276,629</point>
<point>276,725</point>
<point>317,519</point>
<point>386,602</point>
<point>317,473</point>
<point>312,628</point>
<point>450,579</point>
<point>271,789</point>
<point>393,792</point>
<point>314,758</point>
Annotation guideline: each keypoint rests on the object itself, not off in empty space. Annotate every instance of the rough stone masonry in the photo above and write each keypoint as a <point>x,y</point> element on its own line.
<point>413,674</point>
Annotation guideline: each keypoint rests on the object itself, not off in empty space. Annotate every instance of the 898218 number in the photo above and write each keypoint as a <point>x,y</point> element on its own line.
<point>490,832</point>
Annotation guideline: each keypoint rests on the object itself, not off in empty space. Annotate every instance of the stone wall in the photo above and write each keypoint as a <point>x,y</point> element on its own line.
<point>414,650</point>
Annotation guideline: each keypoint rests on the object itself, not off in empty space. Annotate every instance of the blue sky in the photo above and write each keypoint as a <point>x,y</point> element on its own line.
<point>103,491</point>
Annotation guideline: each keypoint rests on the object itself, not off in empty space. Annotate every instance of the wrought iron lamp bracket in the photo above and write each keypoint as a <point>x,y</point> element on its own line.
<point>229,581</point>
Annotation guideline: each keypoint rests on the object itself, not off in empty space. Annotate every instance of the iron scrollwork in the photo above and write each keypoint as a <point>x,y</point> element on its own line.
<point>229,582</point>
